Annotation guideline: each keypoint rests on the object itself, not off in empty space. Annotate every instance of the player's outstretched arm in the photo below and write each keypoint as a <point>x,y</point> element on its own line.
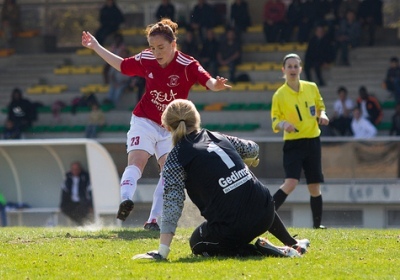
<point>89,41</point>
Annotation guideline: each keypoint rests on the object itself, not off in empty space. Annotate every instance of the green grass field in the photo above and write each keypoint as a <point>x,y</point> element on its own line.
<point>90,253</point>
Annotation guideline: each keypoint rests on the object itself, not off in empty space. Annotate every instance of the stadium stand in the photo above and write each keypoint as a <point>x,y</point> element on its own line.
<point>47,75</point>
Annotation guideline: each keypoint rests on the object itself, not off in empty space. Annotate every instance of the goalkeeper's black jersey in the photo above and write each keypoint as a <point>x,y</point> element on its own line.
<point>210,166</point>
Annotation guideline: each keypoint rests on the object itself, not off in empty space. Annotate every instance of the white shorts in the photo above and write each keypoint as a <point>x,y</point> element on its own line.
<point>148,136</point>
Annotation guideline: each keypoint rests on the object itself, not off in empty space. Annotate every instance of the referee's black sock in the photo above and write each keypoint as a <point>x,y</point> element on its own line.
<point>279,198</point>
<point>316,209</point>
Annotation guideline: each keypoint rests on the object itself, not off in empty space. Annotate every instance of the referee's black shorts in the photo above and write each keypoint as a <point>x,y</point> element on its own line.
<point>303,154</point>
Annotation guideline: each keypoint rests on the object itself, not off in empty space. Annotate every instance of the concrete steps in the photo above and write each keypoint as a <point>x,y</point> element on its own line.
<point>368,68</point>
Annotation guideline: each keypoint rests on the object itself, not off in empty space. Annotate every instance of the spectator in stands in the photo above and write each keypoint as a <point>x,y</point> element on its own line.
<point>362,128</point>
<point>21,111</point>
<point>319,54</point>
<point>369,106</point>
<point>240,16</point>
<point>56,109</point>
<point>10,21</point>
<point>96,120</point>
<point>11,131</point>
<point>117,47</point>
<point>392,79</point>
<point>118,82</point>
<point>110,19</point>
<point>309,19</point>
<point>190,45</point>
<point>169,75</point>
<point>347,5</point>
<point>76,194</point>
<point>84,101</point>
<point>229,53</point>
<point>343,107</point>
<point>395,125</point>
<point>165,10</point>
<point>208,53</point>
<point>274,21</point>
<point>295,21</point>
<point>370,14</point>
<point>323,8</point>
<point>202,18</point>
<point>298,110</point>
<point>348,35</point>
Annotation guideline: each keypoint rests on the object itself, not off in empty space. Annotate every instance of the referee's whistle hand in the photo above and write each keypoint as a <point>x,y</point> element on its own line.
<point>323,121</point>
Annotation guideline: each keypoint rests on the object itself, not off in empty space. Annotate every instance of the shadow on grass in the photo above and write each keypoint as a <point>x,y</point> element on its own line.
<point>196,259</point>
<point>129,234</point>
<point>125,234</point>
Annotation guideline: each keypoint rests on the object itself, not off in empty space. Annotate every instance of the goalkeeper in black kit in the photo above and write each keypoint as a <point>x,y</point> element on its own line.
<point>237,207</point>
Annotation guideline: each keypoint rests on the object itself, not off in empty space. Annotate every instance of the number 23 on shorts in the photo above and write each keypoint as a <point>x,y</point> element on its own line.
<point>135,141</point>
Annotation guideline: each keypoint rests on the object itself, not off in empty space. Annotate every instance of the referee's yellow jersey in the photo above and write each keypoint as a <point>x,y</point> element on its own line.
<point>298,108</point>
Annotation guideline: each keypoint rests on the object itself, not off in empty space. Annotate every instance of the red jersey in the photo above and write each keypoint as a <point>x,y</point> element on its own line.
<point>163,85</point>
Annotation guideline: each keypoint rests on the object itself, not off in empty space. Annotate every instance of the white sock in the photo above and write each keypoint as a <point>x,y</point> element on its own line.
<point>157,205</point>
<point>129,182</point>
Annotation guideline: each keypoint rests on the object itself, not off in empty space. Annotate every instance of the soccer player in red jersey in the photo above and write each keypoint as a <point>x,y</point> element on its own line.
<point>169,75</point>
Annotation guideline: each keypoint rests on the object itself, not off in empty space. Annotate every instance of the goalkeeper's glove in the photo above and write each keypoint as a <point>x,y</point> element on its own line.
<point>252,161</point>
<point>161,254</point>
<point>152,255</point>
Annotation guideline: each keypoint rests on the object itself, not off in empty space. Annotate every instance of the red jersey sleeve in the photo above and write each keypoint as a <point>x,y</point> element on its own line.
<point>132,66</point>
<point>197,73</point>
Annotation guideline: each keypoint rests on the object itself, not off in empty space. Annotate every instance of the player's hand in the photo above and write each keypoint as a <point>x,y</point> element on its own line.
<point>152,255</point>
<point>88,40</point>
<point>221,83</point>
<point>252,161</point>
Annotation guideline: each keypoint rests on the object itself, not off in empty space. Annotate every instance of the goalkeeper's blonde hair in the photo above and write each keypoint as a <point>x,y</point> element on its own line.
<point>182,117</point>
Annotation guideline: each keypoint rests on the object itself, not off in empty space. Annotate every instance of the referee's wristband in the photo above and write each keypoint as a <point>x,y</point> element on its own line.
<point>281,124</point>
<point>163,250</point>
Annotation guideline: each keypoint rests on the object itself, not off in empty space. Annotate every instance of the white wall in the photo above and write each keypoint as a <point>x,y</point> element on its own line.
<point>32,171</point>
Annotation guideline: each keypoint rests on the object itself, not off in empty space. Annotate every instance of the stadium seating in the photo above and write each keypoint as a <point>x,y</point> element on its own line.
<point>69,75</point>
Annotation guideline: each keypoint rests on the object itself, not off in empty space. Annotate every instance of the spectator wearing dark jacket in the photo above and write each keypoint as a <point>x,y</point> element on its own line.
<point>202,18</point>
<point>370,106</point>
<point>229,53</point>
<point>395,125</point>
<point>165,10</point>
<point>189,44</point>
<point>10,131</point>
<point>208,53</point>
<point>76,194</point>
<point>392,80</point>
<point>318,54</point>
<point>21,111</point>
<point>294,17</point>
<point>274,21</point>
<point>240,16</point>
<point>111,18</point>
<point>348,35</point>
<point>370,14</point>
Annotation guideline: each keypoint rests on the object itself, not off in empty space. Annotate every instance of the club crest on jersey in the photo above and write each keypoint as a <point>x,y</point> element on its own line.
<point>173,81</point>
<point>137,57</point>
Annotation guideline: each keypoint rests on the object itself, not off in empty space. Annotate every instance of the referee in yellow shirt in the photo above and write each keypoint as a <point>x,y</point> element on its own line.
<point>298,109</point>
